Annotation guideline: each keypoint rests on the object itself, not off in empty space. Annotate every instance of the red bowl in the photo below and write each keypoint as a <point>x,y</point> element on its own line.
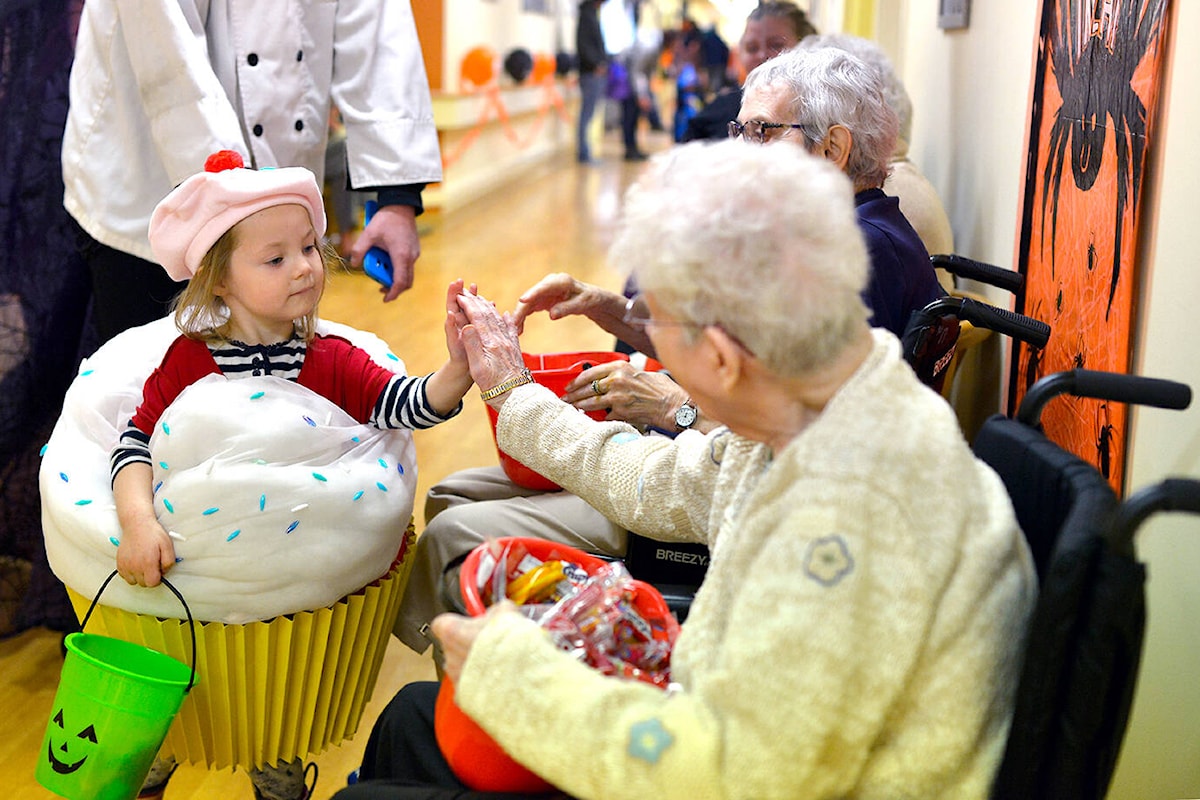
<point>475,757</point>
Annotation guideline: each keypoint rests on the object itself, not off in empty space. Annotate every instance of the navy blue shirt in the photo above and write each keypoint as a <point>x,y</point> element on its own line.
<point>902,279</point>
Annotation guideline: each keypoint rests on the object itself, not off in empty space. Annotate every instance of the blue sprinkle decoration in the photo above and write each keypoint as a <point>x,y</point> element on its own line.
<point>310,422</point>
<point>42,452</point>
<point>393,357</point>
<point>116,542</point>
<point>260,462</point>
<point>320,477</point>
<point>400,468</point>
<point>262,502</point>
<point>163,464</point>
<point>355,439</point>
<point>357,495</point>
<point>83,502</point>
<point>257,395</point>
<point>208,512</point>
<point>167,505</point>
<point>86,372</point>
<point>178,559</point>
<point>157,486</point>
<point>233,535</point>
<point>382,488</point>
<point>293,526</point>
<point>64,477</point>
<point>383,463</point>
<point>166,429</point>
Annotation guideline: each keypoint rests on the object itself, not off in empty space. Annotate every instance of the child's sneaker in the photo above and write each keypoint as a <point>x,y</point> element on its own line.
<point>156,780</point>
<point>284,781</point>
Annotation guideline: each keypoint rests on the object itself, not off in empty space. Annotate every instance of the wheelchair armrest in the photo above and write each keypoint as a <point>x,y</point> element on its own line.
<point>1115,386</point>
<point>970,269</point>
<point>1170,494</point>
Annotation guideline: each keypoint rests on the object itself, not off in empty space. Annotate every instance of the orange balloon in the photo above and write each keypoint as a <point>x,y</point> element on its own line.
<point>479,66</point>
<point>544,65</point>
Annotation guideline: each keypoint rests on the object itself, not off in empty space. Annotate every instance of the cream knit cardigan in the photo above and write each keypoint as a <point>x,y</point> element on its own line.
<point>858,634</point>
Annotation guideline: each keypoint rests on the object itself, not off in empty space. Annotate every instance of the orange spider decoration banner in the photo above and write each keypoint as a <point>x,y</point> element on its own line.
<point>1096,87</point>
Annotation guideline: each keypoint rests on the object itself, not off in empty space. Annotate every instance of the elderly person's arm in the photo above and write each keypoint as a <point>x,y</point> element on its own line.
<point>560,295</point>
<point>654,485</point>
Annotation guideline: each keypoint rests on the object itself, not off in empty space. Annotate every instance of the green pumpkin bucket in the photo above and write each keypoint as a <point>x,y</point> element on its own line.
<point>114,705</point>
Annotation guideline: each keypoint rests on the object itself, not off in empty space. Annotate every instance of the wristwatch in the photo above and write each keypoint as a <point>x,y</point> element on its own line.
<point>686,415</point>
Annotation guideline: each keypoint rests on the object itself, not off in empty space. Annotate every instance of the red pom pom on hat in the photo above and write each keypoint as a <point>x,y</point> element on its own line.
<point>223,160</point>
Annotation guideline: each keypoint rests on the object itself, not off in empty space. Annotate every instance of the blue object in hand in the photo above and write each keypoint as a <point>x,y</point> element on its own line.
<point>377,263</point>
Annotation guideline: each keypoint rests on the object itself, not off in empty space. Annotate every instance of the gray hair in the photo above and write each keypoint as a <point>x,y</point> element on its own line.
<point>762,241</point>
<point>828,87</point>
<point>872,55</point>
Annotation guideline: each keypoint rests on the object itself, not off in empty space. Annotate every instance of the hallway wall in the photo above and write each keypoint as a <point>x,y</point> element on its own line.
<point>970,90</point>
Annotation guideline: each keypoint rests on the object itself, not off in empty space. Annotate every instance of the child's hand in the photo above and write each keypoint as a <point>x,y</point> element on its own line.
<point>455,320</point>
<point>145,554</point>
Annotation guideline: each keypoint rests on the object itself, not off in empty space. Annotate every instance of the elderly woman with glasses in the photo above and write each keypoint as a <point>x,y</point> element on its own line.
<point>860,627</point>
<point>832,104</point>
<point>828,101</point>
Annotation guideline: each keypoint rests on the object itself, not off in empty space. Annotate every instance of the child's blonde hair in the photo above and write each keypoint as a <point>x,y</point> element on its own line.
<point>200,314</point>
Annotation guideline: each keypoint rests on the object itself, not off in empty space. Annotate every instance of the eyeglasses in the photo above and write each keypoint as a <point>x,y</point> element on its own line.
<point>637,316</point>
<point>756,131</point>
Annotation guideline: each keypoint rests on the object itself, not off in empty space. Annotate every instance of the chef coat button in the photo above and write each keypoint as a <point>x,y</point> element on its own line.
<point>299,125</point>
<point>299,55</point>
<point>258,130</point>
<point>252,59</point>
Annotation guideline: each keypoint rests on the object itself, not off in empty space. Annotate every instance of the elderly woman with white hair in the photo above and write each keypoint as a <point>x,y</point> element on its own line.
<point>833,104</point>
<point>918,198</point>
<point>859,630</point>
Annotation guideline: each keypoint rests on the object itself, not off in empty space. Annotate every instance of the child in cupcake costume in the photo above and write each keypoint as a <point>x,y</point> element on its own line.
<point>250,244</point>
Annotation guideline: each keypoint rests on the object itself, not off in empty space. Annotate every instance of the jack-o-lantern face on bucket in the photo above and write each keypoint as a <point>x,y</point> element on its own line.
<point>63,766</point>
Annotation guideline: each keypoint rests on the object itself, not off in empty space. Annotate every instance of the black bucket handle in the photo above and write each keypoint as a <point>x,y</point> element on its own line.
<point>174,591</point>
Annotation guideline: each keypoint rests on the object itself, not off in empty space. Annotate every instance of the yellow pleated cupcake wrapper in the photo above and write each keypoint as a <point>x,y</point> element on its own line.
<point>270,691</point>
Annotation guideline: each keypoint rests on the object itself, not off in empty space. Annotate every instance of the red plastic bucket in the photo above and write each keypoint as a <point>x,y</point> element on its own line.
<point>554,371</point>
<point>473,755</point>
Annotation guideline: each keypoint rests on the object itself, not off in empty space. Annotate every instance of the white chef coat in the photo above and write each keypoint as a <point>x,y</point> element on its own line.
<point>158,85</point>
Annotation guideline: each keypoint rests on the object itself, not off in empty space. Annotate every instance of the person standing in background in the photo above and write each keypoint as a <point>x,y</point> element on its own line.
<point>153,93</point>
<point>593,64</point>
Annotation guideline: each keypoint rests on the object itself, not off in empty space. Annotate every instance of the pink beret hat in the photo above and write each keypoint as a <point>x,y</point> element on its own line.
<point>198,211</point>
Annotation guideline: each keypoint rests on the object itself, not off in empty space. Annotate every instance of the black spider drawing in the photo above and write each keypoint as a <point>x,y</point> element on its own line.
<point>1104,439</point>
<point>1095,47</point>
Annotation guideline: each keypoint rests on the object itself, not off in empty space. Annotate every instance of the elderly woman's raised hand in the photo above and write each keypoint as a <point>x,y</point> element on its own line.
<point>560,295</point>
<point>493,350</point>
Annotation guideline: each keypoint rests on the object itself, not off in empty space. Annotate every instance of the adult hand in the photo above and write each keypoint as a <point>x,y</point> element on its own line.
<point>628,393</point>
<point>394,229</point>
<point>490,339</point>
<point>457,634</point>
<point>560,295</point>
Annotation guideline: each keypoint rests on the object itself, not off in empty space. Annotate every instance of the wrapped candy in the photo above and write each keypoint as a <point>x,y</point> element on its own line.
<point>591,608</point>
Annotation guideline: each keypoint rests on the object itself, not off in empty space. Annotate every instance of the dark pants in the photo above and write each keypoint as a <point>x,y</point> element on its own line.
<point>128,291</point>
<point>630,113</point>
<point>402,760</point>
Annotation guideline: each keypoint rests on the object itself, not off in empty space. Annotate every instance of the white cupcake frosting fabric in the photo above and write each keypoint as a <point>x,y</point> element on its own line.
<point>276,499</point>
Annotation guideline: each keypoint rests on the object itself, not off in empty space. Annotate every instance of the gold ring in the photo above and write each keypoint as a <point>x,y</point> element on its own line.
<point>596,387</point>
